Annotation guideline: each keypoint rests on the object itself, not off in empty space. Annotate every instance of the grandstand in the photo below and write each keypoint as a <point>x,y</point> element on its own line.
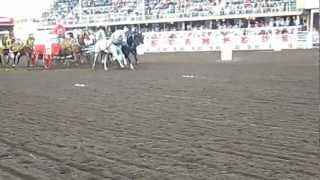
<point>236,18</point>
<point>160,15</point>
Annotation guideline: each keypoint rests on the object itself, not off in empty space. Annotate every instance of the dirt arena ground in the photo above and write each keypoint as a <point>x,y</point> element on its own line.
<point>180,116</point>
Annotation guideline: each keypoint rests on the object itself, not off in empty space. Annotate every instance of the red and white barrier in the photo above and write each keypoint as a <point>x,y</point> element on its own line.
<point>184,41</point>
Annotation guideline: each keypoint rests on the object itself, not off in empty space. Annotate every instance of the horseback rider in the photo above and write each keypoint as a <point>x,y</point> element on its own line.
<point>126,34</point>
<point>30,42</point>
<point>108,33</point>
<point>70,48</point>
<point>7,43</point>
<point>17,46</point>
<point>131,36</point>
<point>67,44</point>
<point>72,39</point>
<point>118,39</point>
<point>133,40</point>
<point>28,46</point>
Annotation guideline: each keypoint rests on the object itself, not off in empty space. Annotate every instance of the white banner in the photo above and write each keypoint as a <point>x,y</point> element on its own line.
<point>182,41</point>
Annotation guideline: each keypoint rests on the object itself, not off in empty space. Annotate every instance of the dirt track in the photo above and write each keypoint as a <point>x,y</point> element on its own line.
<point>177,117</point>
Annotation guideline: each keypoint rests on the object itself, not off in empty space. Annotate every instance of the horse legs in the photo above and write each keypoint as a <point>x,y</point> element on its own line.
<point>19,57</point>
<point>7,58</point>
<point>76,58</point>
<point>15,59</point>
<point>125,56</point>
<point>105,61</point>
<point>109,55</point>
<point>129,61</point>
<point>116,56</point>
<point>134,52</point>
<point>31,59</point>
<point>120,61</point>
<point>11,57</point>
<point>131,65</point>
<point>94,60</point>
<point>124,60</point>
<point>29,56</point>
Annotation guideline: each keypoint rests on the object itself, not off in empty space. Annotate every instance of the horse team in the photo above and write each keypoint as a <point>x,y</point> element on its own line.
<point>89,49</point>
<point>15,49</point>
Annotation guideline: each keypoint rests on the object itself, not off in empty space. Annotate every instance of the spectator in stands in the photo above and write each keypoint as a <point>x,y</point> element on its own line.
<point>95,11</point>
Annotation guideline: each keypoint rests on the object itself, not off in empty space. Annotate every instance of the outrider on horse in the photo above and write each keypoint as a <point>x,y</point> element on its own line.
<point>118,48</point>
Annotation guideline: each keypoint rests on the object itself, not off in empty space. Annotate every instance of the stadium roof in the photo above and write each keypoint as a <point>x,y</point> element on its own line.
<point>5,21</point>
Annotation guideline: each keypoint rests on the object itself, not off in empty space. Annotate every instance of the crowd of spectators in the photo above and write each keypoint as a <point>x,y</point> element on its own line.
<point>156,9</point>
<point>258,24</point>
<point>99,11</point>
<point>62,10</point>
<point>96,11</point>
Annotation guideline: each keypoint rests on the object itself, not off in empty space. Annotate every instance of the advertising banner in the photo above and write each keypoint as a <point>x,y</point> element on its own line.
<point>184,41</point>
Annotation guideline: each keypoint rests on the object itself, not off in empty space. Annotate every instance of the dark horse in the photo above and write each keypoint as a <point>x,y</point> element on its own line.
<point>133,41</point>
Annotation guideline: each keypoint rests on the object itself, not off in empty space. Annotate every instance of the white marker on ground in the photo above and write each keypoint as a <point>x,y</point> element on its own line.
<point>80,85</point>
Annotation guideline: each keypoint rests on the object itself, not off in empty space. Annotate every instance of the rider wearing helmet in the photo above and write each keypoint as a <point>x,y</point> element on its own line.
<point>17,46</point>
<point>30,41</point>
<point>7,43</point>
<point>69,45</point>
<point>108,33</point>
<point>66,46</point>
<point>118,39</point>
<point>28,45</point>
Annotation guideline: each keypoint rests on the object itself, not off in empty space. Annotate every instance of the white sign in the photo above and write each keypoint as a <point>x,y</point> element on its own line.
<point>184,41</point>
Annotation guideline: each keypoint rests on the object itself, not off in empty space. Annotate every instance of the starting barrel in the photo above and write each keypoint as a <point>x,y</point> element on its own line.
<point>226,53</point>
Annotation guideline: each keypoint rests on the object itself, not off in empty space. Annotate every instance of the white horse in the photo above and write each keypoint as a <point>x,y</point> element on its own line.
<point>105,46</point>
